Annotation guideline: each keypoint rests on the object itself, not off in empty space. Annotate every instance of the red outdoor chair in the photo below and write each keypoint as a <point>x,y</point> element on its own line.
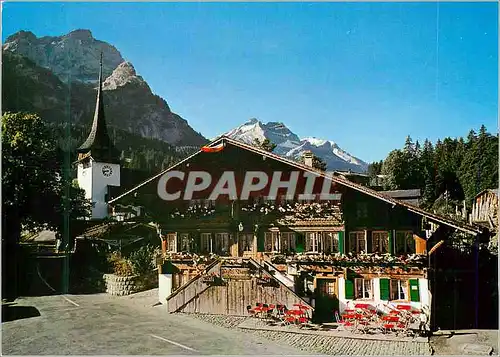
<point>251,311</point>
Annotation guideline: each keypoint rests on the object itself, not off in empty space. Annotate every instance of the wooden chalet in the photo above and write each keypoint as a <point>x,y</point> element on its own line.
<point>359,244</point>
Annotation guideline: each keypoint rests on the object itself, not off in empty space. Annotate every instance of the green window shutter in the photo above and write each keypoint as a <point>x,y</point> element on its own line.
<point>349,289</point>
<point>260,241</point>
<point>341,242</point>
<point>384,289</point>
<point>414,290</point>
<point>300,243</point>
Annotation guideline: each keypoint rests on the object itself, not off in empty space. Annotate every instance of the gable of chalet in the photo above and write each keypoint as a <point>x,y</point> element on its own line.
<point>226,154</point>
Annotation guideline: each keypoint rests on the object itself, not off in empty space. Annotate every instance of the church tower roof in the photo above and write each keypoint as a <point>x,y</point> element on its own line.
<point>98,143</point>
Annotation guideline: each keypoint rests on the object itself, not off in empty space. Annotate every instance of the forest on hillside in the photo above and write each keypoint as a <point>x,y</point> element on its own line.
<point>145,154</point>
<point>452,170</point>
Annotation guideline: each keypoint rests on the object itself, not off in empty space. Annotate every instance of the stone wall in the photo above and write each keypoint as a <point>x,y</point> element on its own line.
<point>121,285</point>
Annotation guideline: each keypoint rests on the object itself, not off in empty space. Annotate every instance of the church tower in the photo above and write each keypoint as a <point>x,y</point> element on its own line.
<point>98,160</point>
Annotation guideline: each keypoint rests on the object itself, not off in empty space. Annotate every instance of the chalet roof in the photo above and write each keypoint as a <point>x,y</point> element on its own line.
<point>467,228</point>
<point>129,178</point>
<point>415,193</point>
<point>495,191</point>
<point>409,196</point>
<point>98,144</point>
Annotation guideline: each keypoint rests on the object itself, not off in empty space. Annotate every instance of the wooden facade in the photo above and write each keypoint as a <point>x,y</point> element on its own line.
<point>485,209</point>
<point>358,245</point>
<point>235,288</point>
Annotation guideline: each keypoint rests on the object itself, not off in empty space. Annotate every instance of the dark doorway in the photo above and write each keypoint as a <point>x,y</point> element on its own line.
<point>326,302</point>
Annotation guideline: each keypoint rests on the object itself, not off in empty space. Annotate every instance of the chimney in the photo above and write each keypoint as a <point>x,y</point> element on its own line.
<point>308,158</point>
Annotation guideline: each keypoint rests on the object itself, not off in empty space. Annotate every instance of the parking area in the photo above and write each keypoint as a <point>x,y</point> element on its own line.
<point>101,324</point>
<point>104,325</point>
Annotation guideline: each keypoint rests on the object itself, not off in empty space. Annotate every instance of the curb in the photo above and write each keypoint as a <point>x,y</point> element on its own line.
<point>328,334</point>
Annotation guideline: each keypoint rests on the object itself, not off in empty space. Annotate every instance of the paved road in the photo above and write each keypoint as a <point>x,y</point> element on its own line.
<point>105,325</point>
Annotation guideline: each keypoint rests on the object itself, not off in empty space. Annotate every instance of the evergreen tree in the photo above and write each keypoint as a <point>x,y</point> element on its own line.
<point>265,144</point>
<point>427,168</point>
<point>479,168</point>
<point>318,163</point>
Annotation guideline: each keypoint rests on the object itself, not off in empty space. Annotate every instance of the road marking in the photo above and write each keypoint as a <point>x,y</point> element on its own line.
<point>175,343</point>
<point>44,281</point>
<point>71,301</point>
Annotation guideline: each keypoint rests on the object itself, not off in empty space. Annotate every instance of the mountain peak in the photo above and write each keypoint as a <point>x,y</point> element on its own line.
<point>288,144</point>
<point>80,34</point>
<point>61,53</point>
<point>21,35</point>
<point>123,74</point>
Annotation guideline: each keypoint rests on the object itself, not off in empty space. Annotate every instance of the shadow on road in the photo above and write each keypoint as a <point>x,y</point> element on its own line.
<point>11,312</point>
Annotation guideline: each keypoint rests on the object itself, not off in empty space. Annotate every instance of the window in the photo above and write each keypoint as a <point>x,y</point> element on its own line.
<point>405,243</point>
<point>271,242</point>
<point>327,287</point>
<point>313,242</point>
<point>361,210</point>
<point>172,242</point>
<point>246,242</point>
<point>363,288</point>
<point>330,242</point>
<point>206,245</point>
<point>357,242</point>
<point>380,242</point>
<point>184,243</point>
<point>221,243</point>
<point>287,241</point>
<point>398,290</point>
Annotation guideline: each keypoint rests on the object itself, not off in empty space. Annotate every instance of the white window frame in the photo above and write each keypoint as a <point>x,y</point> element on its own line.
<point>366,288</point>
<point>314,242</point>
<point>357,248</point>
<point>206,242</point>
<point>401,287</point>
<point>333,241</point>
<point>408,238</point>
<point>172,242</point>
<point>182,239</point>
<point>244,237</point>
<point>379,237</point>
<point>221,243</point>
<point>287,241</point>
<point>272,239</point>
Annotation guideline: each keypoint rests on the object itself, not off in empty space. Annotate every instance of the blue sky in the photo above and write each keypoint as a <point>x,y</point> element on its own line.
<point>364,75</point>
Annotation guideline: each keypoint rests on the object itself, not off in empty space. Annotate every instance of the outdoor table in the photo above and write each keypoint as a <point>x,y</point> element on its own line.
<point>349,316</point>
<point>403,307</point>
<point>362,306</point>
<point>259,310</point>
<point>390,318</point>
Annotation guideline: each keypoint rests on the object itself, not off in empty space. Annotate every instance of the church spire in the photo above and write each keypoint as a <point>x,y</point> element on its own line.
<point>98,143</point>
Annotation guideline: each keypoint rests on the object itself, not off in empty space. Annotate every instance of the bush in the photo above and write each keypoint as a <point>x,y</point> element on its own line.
<point>119,265</point>
<point>143,260</point>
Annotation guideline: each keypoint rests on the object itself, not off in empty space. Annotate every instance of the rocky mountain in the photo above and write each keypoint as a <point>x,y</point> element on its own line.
<point>67,67</point>
<point>74,56</point>
<point>288,144</point>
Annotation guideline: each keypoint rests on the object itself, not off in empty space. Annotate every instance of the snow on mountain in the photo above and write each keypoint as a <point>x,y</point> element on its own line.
<point>291,146</point>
